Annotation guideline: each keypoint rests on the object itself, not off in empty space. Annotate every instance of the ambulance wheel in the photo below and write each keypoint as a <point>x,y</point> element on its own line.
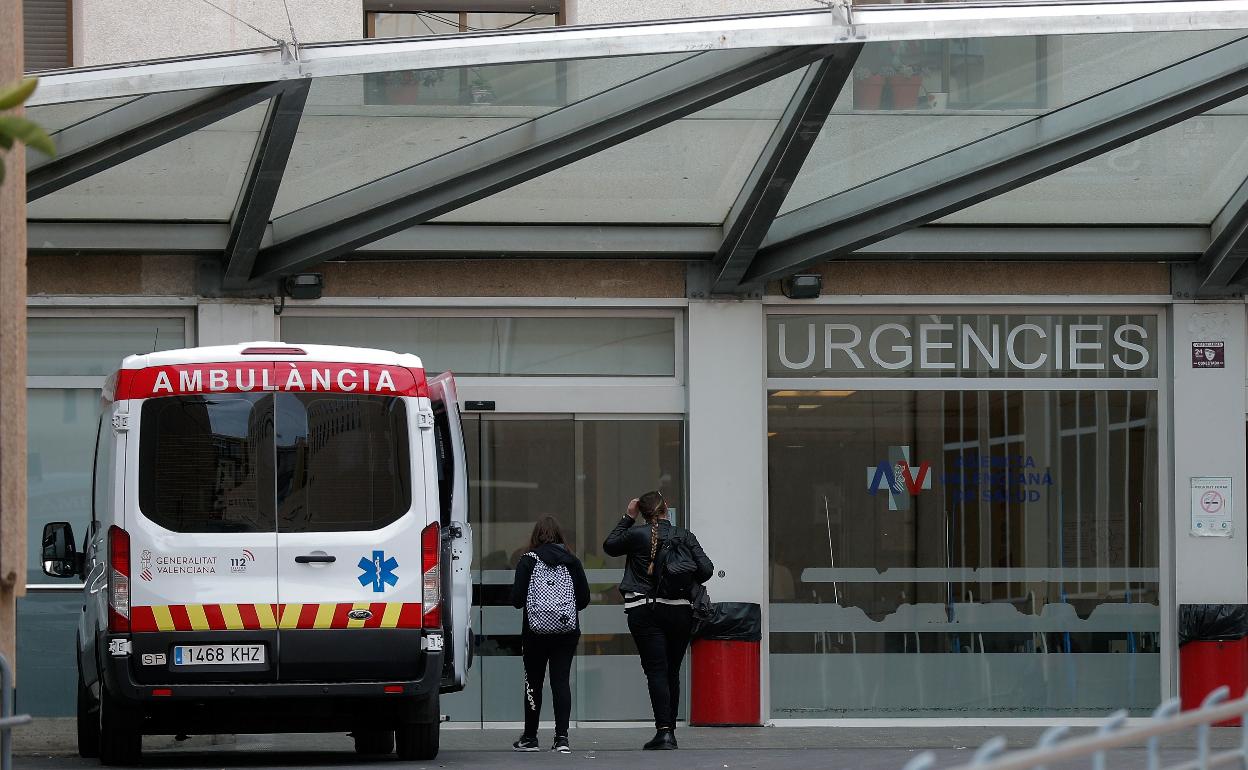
<point>418,739</point>
<point>121,743</point>
<point>374,742</point>
<point>88,722</point>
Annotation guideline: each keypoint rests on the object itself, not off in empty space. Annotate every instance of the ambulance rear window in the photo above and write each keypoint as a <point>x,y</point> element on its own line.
<point>205,463</point>
<point>342,462</point>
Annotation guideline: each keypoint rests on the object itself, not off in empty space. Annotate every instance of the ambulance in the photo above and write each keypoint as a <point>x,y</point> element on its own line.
<point>279,542</point>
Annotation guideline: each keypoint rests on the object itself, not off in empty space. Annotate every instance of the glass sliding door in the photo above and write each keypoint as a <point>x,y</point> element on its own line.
<point>964,553</point>
<point>582,471</point>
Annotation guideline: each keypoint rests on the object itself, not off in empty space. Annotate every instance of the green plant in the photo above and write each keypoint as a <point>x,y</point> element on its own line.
<point>17,130</point>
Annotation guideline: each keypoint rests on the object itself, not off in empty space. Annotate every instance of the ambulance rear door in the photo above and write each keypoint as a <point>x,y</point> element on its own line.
<point>456,532</point>
<point>353,521</point>
<point>201,535</point>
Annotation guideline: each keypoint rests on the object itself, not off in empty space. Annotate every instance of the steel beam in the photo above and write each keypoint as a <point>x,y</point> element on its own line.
<point>1002,162</point>
<point>422,192</point>
<point>131,129</point>
<point>765,189</point>
<point>948,243</point>
<point>794,28</point>
<point>1223,262</point>
<point>264,177</point>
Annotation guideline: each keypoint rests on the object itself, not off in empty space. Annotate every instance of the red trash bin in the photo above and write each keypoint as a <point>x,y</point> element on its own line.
<point>1206,666</point>
<point>725,684</point>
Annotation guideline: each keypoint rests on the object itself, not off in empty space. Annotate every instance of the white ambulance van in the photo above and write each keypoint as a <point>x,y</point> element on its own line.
<point>279,543</point>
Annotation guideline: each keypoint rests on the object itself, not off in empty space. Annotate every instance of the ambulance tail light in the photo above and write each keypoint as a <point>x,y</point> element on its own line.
<point>430,555</point>
<point>118,580</point>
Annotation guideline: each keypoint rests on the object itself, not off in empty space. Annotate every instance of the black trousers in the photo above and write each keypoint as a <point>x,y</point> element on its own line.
<point>662,633</point>
<point>558,650</point>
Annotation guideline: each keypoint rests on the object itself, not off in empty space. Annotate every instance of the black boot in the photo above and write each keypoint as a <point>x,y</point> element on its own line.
<point>663,740</point>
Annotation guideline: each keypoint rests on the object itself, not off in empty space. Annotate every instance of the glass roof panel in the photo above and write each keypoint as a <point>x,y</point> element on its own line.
<point>57,117</point>
<point>359,128</point>
<point>687,172</point>
<point>1183,175</point>
<point>913,100</point>
<point>195,178</point>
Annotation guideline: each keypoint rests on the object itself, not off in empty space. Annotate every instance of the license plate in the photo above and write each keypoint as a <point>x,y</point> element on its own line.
<point>218,654</point>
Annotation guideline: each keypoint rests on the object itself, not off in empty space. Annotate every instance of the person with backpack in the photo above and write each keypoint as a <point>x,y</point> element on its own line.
<point>663,574</point>
<point>551,588</point>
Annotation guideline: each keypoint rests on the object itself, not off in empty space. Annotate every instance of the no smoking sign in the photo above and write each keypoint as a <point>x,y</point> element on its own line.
<point>1211,506</point>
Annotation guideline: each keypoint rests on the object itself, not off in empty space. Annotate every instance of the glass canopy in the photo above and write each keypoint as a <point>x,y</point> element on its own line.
<point>1128,129</point>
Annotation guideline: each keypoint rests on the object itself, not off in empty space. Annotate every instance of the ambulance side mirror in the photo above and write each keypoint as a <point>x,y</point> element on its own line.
<point>60,557</point>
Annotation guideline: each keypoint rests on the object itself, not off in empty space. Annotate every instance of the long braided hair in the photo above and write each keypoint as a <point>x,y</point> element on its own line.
<point>653,509</point>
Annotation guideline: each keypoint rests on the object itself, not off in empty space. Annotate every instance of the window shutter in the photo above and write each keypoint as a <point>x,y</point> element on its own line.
<point>47,28</point>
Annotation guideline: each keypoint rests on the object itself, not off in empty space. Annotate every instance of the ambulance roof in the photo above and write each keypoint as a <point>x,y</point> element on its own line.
<point>272,351</point>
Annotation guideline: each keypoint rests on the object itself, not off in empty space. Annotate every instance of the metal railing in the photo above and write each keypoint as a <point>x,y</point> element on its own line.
<point>8,720</point>
<point>1054,746</point>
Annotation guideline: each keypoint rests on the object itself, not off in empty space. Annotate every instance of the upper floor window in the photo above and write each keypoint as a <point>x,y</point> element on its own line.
<point>540,83</point>
<point>48,34</point>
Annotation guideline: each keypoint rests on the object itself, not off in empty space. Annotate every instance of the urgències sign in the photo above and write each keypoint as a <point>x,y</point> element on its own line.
<point>961,346</point>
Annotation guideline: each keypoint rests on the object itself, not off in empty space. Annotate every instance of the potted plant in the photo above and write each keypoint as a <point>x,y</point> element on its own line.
<point>904,83</point>
<point>868,88</point>
<point>401,87</point>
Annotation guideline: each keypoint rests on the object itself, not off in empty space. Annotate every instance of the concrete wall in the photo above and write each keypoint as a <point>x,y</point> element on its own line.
<point>109,31</point>
<point>998,278</point>
<point>727,445</point>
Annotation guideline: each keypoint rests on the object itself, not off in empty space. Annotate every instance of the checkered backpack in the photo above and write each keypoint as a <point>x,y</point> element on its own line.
<point>551,604</point>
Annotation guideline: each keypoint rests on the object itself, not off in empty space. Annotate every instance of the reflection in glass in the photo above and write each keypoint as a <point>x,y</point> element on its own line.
<point>963,552</point>
<point>356,129</point>
<point>195,178</point>
<point>508,347</point>
<point>60,451</point>
<point>86,346</point>
<point>1182,175</point>
<point>688,171</point>
<point>910,101</point>
<point>46,625</point>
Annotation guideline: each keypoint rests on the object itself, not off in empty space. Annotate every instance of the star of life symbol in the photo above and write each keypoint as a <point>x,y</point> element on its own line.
<point>379,571</point>
<point>901,479</point>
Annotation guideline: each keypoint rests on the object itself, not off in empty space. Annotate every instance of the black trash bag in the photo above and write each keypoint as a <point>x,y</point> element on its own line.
<point>1212,622</point>
<point>732,622</point>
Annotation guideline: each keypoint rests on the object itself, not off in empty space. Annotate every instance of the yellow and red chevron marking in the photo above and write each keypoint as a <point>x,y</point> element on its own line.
<point>265,617</point>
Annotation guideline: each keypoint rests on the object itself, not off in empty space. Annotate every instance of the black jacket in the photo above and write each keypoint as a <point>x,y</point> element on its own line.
<point>634,542</point>
<point>554,555</point>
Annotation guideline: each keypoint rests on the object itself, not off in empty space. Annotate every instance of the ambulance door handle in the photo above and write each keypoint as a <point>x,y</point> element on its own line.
<point>316,558</point>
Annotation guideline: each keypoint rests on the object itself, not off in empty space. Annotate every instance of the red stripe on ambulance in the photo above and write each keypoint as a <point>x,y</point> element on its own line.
<point>334,615</point>
<point>260,377</point>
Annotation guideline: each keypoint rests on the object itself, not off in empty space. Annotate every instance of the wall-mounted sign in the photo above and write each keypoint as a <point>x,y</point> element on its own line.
<point>1211,506</point>
<point>1208,355</point>
<point>961,346</point>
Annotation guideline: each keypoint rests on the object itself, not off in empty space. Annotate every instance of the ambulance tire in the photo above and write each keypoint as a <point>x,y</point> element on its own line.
<point>121,743</point>
<point>376,743</point>
<point>418,739</point>
<point>88,722</point>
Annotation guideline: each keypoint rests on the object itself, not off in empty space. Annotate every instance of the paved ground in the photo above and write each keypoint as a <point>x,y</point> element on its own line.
<point>602,749</point>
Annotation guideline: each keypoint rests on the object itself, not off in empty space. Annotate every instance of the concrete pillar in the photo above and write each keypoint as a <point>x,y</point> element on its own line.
<point>1208,419</point>
<point>227,322</point>
<point>728,450</point>
<point>12,350</point>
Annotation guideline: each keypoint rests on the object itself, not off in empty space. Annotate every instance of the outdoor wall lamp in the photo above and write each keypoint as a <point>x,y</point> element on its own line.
<point>305,286</point>
<point>802,286</point>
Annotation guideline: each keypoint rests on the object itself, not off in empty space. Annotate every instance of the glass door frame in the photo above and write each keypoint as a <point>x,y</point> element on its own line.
<point>476,421</point>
